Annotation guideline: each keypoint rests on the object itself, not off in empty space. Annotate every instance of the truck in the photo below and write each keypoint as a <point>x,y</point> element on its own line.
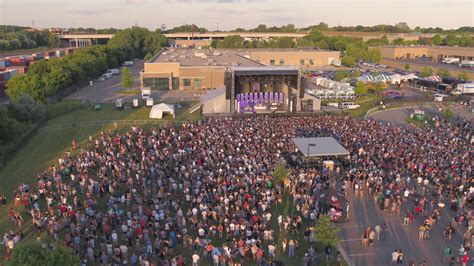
<point>146,93</point>
<point>451,60</point>
<point>465,88</point>
<point>128,63</point>
<point>466,63</point>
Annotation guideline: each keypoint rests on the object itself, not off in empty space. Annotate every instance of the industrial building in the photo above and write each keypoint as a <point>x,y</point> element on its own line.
<point>179,68</point>
<point>436,53</point>
<point>419,57</point>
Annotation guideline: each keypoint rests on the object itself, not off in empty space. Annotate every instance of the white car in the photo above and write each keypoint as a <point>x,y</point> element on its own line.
<point>101,78</point>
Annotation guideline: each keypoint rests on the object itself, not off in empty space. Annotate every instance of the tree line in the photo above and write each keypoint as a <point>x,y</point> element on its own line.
<point>14,38</point>
<point>353,48</point>
<point>47,78</point>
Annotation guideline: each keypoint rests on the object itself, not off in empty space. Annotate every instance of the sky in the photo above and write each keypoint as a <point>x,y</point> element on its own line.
<point>231,14</point>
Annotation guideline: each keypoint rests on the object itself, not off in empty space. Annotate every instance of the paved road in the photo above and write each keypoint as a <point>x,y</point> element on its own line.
<point>399,116</point>
<point>106,91</point>
<point>364,212</point>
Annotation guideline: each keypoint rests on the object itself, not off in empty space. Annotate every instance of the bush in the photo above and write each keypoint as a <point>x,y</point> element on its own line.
<point>280,174</point>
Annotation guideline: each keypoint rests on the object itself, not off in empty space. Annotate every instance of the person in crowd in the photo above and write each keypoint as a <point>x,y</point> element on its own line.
<point>138,196</point>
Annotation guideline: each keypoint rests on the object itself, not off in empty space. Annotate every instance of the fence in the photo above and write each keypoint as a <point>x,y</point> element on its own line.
<point>20,143</point>
<point>63,93</point>
<point>405,104</point>
<point>114,123</point>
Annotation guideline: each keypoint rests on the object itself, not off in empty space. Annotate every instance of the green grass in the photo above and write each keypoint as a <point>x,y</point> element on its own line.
<point>55,138</point>
<point>47,145</point>
<point>365,103</point>
<point>129,92</point>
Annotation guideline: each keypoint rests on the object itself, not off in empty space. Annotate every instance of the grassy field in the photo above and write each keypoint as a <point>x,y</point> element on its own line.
<point>129,92</point>
<point>365,103</point>
<point>56,137</point>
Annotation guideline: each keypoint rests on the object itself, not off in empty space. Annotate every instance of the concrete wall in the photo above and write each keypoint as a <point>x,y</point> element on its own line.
<point>319,58</point>
<point>210,77</point>
<point>218,105</point>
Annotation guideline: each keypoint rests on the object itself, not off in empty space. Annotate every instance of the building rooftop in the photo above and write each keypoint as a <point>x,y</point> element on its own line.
<point>202,57</point>
<point>217,57</point>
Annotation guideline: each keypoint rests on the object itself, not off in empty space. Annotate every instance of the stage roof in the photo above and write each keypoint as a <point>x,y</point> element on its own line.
<point>326,146</point>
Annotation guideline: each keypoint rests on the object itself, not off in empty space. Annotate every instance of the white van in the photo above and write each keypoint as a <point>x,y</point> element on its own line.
<point>128,63</point>
<point>113,71</point>
<point>350,105</point>
<point>146,93</point>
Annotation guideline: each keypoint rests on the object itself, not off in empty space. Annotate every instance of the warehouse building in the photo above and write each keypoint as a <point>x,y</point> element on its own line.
<point>436,53</point>
<point>420,57</point>
<point>183,69</point>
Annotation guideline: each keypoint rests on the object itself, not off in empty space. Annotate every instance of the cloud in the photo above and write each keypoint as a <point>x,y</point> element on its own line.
<point>225,11</point>
<point>214,1</point>
<point>90,12</point>
<point>135,2</point>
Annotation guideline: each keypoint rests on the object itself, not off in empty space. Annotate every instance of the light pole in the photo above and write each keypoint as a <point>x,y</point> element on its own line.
<point>307,159</point>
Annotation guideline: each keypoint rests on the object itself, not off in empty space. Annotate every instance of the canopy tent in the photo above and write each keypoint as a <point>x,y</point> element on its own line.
<point>158,110</point>
<point>396,78</point>
<point>434,78</point>
<point>317,147</point>
<point>409,77</point>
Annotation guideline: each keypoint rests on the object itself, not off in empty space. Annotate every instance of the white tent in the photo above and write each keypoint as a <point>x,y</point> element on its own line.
<point>158,110</point>
<point>396,78</point>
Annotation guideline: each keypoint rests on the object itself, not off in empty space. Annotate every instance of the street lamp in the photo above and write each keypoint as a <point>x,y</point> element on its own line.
<point>307,159</point>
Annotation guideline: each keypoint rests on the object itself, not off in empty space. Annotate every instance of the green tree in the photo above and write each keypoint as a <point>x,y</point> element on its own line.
<point>406,66</point>
<point>148,56</point>
<point>33,254</point>
<point>463,75</point>
<point>231,41</point>
<point>361,88</point>
<point>437,39</point>
<point>356,73</point>
<point>326,232</point>
<point>380,86</point>
<point>340,75</point>
<point>127,78</point>
<point>214,43</point>
<point>448,114</point>
<point>348,61</point>
<point>25,109</point>
<point>426,72</point>
<point>280,173</point>
<point>444,73</point>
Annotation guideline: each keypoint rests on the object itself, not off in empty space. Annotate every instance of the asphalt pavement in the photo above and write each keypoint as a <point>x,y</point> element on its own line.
<point>364,212</point>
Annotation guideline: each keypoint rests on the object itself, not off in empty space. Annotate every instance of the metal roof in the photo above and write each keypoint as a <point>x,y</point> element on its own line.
<point>325,146</point>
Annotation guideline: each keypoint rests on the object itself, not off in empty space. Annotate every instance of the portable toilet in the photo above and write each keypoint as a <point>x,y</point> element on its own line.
<point>149,102</point>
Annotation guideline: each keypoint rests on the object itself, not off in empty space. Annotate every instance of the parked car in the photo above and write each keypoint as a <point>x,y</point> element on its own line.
<point>113,71</point>
<point>101,78</point>
<point>396,97</point>
<point>350,105</point>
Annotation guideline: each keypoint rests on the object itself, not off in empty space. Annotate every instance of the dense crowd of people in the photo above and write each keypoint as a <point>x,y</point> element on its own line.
<point>205,192</point>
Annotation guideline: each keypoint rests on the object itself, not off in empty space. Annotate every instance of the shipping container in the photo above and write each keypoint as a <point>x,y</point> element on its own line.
<point>21,69</point>
<point>59,53</point>
<point>5,75</point>
<point>38,56</point>
<point>13,72</point>
<point>5,63</point>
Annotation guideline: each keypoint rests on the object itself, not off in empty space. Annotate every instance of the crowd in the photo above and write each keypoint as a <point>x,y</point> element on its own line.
<point>206,190</point>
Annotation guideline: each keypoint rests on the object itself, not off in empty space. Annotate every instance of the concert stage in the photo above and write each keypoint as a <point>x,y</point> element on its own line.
<point>263,89</point>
